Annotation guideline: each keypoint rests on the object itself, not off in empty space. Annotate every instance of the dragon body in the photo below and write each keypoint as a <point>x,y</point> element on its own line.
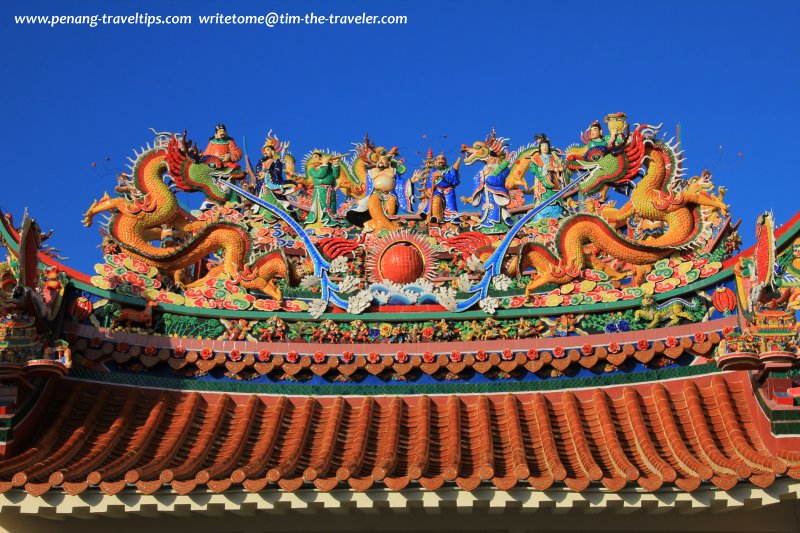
<point>148,205</point>
<point>657,196</point>
<point>670,312</point>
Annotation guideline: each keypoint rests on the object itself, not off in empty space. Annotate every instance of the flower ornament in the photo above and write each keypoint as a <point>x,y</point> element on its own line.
<point>358,303</point>
<point>489,305</point>
<point>316,308</point>
<point>349,284</point>
<point>339,265</point>
<point>501,282</point>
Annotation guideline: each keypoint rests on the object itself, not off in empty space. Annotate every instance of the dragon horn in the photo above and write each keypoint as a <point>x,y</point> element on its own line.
<point>188,147</point>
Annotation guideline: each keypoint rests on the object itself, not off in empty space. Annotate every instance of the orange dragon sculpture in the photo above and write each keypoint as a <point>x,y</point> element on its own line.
<point>659,195</point>
<point>147,205</point>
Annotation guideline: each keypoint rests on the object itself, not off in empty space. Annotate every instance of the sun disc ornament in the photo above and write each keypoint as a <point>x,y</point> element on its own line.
<point>401,257</point>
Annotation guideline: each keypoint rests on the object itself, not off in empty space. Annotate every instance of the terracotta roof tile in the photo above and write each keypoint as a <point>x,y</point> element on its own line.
<point>682,432</point>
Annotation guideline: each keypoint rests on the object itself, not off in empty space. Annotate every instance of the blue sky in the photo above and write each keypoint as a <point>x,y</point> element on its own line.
<point>728,72</point>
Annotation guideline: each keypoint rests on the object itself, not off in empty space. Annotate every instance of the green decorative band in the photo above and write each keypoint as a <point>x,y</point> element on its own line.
<point>714,280</point>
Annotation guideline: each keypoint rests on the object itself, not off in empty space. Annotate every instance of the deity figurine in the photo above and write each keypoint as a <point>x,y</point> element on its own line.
<point>222,146</point>
<point>368,156</point>
<point>268,179</point>
<point>373,212</point>
<point>548,169</point>
<point>491,192</point>
<point>269,170</point>
<point>618,129</point>
<point>595,136</point>
<point>440,187</point>
<point>324,171</point>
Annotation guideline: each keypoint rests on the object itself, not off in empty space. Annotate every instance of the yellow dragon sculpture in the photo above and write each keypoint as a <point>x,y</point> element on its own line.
<point>657,196</point>
<point>148,205</point>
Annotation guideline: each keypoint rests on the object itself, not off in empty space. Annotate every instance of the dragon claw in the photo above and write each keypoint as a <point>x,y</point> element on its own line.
<point>89,215</point>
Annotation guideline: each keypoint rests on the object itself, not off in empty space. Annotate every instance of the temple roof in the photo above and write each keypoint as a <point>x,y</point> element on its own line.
<point>678,433</point>
<point>428,359</point>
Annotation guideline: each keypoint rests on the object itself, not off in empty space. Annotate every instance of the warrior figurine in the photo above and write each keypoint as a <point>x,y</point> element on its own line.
<point>441,189</point>
<point>222,145</point>
<point>269,182</point>
<point>491,192</point>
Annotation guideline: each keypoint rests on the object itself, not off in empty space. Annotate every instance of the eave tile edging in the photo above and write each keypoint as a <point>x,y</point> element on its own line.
<point>96,503</point>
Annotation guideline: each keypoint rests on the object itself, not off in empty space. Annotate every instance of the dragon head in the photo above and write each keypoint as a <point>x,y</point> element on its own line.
<point>603,166</point>
<point>371,154</point>
<point>482,150</point>
<point>192,171</point>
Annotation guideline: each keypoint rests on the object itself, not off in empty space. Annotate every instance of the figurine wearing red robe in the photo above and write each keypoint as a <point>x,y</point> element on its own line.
<point>223,146</point>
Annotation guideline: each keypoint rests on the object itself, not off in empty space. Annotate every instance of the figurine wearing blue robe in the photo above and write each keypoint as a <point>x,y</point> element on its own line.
<point>441,190</point>
<point>492,195</point>
<point>269,182</point>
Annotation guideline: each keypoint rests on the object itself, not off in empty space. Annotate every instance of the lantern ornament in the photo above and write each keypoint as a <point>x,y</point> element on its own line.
<point>80,308</point>
<point>724,300</point>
